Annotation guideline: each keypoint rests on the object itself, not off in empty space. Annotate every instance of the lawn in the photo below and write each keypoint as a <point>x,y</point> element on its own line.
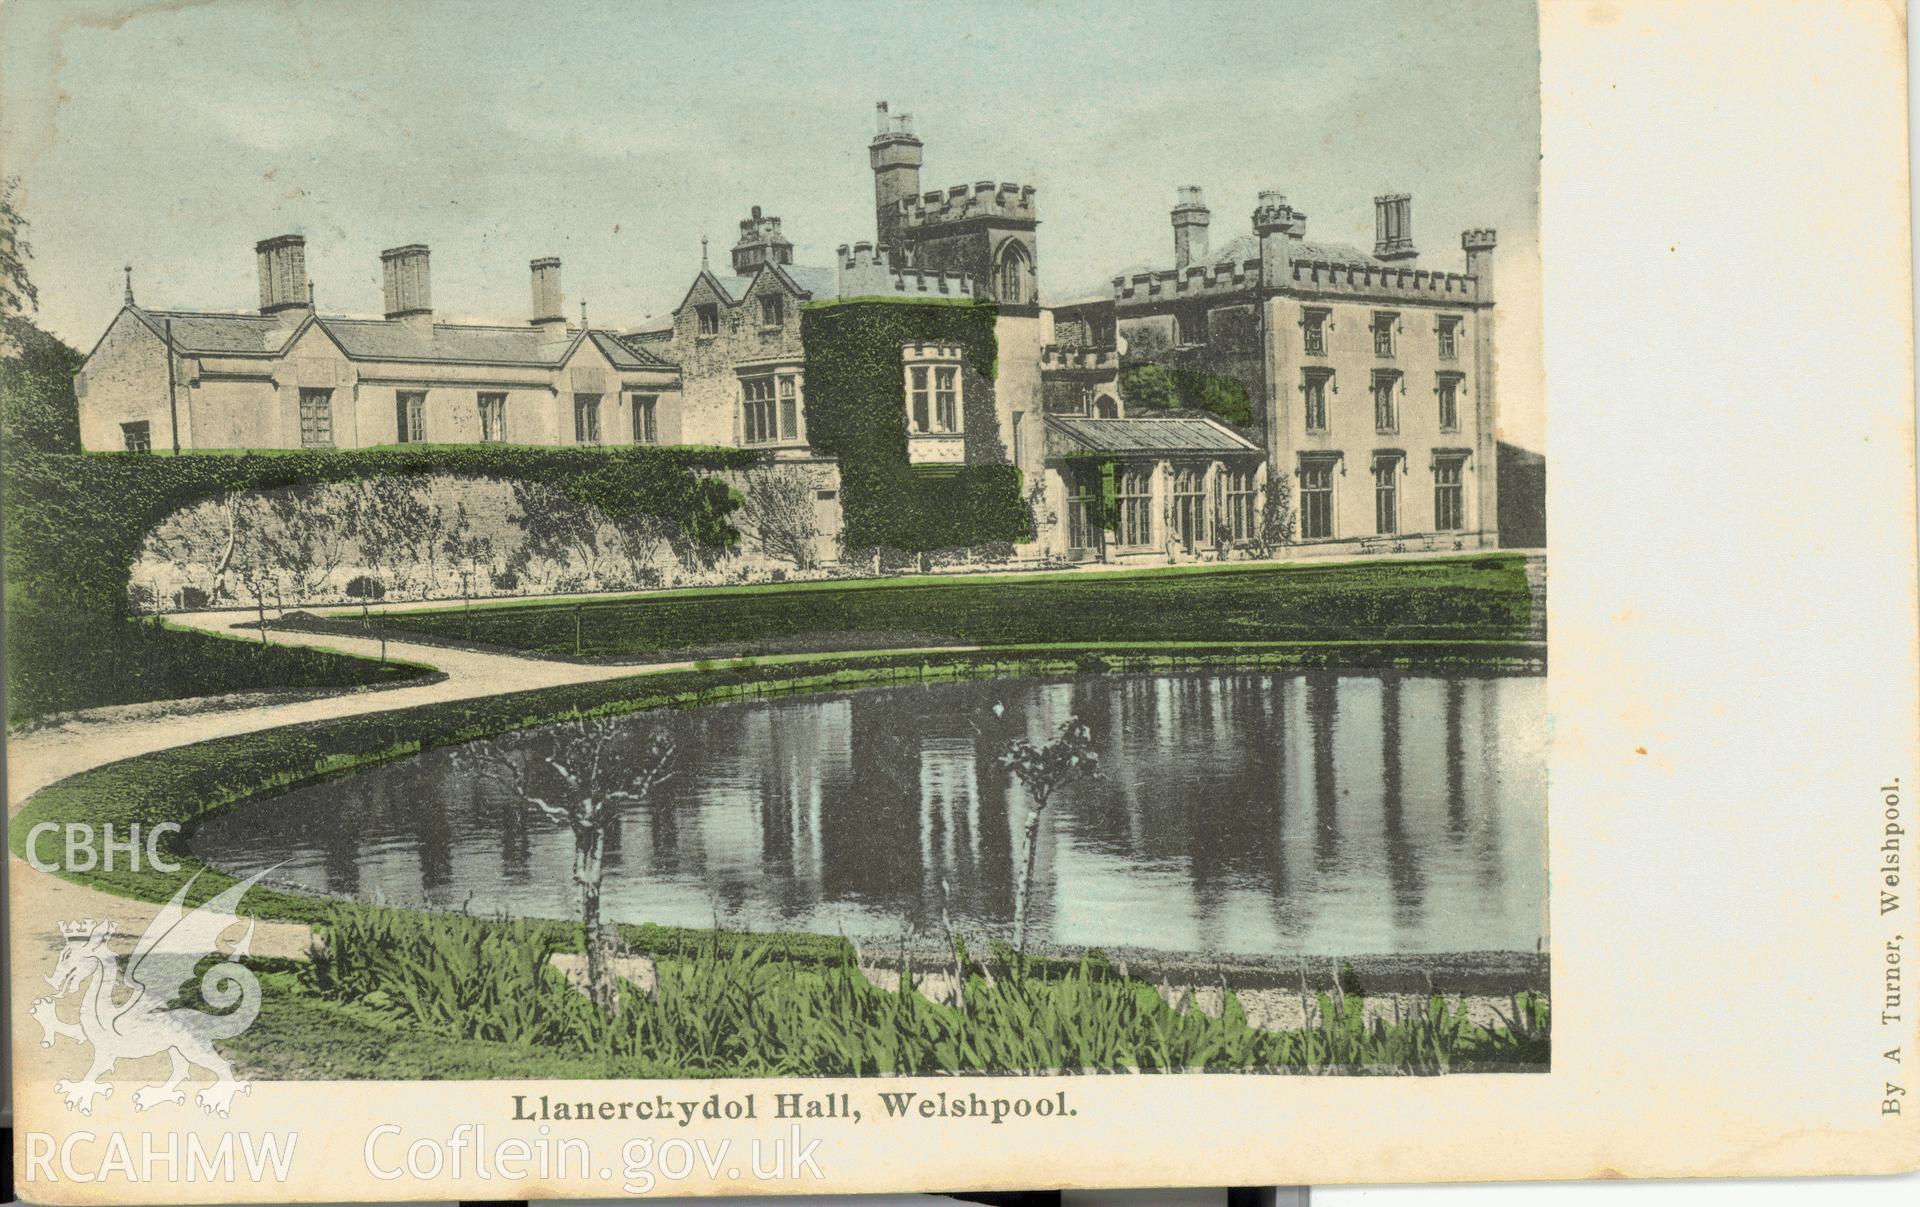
<point>1476,598</point>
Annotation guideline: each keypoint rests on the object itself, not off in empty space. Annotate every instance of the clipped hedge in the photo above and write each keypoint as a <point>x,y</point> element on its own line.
<point>75,524</point>
<point>857,411</point>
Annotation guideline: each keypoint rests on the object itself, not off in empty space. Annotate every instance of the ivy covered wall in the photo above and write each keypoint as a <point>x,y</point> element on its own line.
<point>857,412</point>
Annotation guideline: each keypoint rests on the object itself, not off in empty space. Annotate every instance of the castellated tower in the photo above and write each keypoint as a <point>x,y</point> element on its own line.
<point>896,156</point>
<point>984,231</point>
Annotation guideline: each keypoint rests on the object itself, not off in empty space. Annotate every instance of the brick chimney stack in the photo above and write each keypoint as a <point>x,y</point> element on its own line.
<point>409,288</point>
<point>1190,219</point>
<point>549,304</point>
<point>283,275</point>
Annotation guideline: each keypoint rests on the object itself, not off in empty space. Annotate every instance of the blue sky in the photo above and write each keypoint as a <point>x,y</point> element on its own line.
<point>174,135</point>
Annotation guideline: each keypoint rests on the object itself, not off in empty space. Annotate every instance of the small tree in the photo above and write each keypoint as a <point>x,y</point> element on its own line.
<point>1042,771</point>
<point>778,513</point>
<point>579,774</point>
<point>366,589</point>
<point>1275,528</point>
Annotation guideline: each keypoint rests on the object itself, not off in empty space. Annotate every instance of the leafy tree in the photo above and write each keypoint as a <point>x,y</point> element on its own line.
<point>17,293</point>
<point>579,774</point>
<point>1042,771</point>
<point>1158,387</point>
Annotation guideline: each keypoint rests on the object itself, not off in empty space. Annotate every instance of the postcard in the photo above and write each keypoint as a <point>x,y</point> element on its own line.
<point>637,599</point>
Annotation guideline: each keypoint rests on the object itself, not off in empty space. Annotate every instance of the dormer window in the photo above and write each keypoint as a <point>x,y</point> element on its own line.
<point>709,315</point>
<point>773,311</point>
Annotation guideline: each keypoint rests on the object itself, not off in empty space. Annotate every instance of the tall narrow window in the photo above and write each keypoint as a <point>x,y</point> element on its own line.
<point>789,408</point>
<point>709,315</point>
<point>1383,325</point>
<point>1316,500</point>
<point>921,408</point>
<point>1313,327</point>
<point>586,418</point>
<point>1447,328</point>
<point>1447,390</point>
<point>1314,384</point>
<point>758,415</point>
<point>410,415</point>
<point>946,398</point>
<point>493,418</point>
<point>646,424</point>
<point>1083,502</point>
<point>1386,407</point>
<point>1448,510</point>
<point>316,418</point>
<point>138,436</point>
<point>1013,275</point>
<point>1189,500</point>
<point>1133,494</point>
<point>773,310</point>
<point>1237,494</point>
<point>1386,497</point>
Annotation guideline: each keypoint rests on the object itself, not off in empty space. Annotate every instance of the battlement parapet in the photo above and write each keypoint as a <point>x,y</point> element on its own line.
<point>983,199</point>
<point>865,271</point>
<point>1195,280</point>
<point>1478,239</point>
<point>1385,281</point>
<point>1057,358</point>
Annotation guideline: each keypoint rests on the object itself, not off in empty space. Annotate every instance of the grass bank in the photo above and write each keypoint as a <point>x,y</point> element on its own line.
<point>1478,597</point>
<point>136,661</point>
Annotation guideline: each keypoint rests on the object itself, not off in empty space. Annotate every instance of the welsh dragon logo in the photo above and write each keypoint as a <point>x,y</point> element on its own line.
<point>131,1014</point>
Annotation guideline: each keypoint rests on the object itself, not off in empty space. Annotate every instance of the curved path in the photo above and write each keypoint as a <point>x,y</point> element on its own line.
<point>38,901</point>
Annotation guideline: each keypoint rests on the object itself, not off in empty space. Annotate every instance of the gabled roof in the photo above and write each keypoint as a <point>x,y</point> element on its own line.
<point>197,331</point>
<point>1150,437</point>
<point>623,355</point>
<point>391,340</point>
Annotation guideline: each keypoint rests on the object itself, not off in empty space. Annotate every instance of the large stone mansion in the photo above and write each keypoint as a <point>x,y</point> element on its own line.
<point>1365,377</point>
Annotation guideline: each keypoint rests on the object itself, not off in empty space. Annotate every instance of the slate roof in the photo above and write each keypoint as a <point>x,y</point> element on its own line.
<point>821,283</point>
<point>194,331</point>
<point>1157,437</point>
<point>391,340</point>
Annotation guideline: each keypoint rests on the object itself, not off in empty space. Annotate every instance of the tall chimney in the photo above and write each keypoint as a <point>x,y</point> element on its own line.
<point>549,305</point>
<point>283,273</point>
<point>1277,224</point>
<point>409,290</point>
<point>1190,218</point>
<point>1393,227</point>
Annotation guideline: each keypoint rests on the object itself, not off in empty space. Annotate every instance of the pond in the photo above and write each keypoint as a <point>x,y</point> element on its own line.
<point>1239,814</point>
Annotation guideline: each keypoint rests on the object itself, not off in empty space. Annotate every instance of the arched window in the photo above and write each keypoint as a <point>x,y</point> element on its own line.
<point>1015,264</point>
<point>1104,407</point>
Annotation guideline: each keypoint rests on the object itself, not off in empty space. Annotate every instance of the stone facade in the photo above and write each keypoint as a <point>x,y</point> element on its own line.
<point>160,380</point>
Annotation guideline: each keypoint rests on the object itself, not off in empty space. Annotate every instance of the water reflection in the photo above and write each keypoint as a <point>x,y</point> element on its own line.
<point>1237,813</point>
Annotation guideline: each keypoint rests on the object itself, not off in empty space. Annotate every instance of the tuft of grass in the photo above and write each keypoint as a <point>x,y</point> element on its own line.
<point>751,1006</point>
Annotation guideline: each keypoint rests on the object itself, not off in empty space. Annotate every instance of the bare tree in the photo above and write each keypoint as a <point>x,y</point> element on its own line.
<point>1042,771</point>
<point>579,774</point>
<point>201,535</point>
<point>778,515</point>
<point>17,293</point>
